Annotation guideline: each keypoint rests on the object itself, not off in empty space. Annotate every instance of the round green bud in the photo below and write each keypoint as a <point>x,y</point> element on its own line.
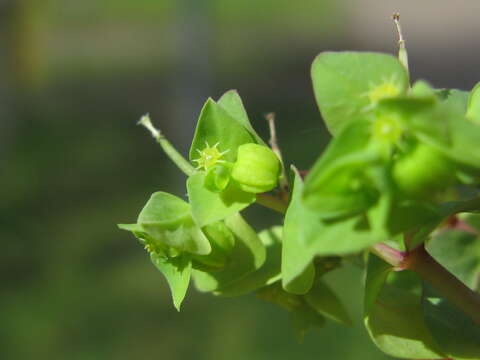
<point>423,172</point>
<point>218,177</point>
<point>257,168</point>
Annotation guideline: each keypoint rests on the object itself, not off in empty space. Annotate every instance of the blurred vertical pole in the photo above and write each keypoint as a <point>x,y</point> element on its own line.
<point>192,78</point>
<point>7,84</point>
<point>20,63</point>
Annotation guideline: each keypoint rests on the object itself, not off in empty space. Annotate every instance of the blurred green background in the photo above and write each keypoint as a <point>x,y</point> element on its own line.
<point>75,78</point>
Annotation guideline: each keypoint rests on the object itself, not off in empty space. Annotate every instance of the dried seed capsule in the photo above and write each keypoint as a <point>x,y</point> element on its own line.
<point>257,168</point>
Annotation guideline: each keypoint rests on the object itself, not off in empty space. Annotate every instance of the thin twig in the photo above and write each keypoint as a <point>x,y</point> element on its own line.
<point>270,117</point>
<point>396,20</point>
<point>390,255</point>
<point>167,147</point>
<point>272,202</point>
<point>402,50</point>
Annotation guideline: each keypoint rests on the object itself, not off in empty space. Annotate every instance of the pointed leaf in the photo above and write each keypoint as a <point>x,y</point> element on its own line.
<point>303,319</point>
<point>377,273</point>
<point>177,271</point>
<point>324,301</point>
<point>233,104</point>
<point>216,125</point>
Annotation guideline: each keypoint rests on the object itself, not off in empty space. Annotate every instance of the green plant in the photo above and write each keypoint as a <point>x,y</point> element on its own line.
<point>396,189</point>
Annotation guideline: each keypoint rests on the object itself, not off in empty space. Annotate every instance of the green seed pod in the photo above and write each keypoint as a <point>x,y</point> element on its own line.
<point>423,172</point>
<point>257,168</point>
<point>218,177</point>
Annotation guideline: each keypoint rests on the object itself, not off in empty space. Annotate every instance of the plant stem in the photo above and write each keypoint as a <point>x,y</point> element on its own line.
<point>167,147</point>
<point>402,50</point>
<point>390,255</point>
<point>270,117</point>
<point>420,261</point>
<point>272,202</point>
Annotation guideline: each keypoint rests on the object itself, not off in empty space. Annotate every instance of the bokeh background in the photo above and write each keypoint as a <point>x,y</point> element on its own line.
<point>75,76</point>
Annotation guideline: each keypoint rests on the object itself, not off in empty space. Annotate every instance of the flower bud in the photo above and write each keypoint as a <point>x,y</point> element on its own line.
<point>257,168</point>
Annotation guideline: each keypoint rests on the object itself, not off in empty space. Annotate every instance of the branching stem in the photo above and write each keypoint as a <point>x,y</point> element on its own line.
<point>420,261</point>
<point>423,264</point>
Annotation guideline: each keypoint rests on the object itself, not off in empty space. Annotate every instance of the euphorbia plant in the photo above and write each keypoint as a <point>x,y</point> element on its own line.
<point>397,187</point>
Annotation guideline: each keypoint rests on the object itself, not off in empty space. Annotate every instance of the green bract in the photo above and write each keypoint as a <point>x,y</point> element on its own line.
<point>423,172</point>
<point>348,85</point>
<point>388,194</point>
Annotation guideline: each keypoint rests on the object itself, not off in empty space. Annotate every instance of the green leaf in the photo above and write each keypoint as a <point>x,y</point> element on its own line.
<point>216,125</point>
<point>267,274</point>
<point>130,227</point>
<point>144,238</point>
<point>177,271</point>
<point>410,215</point>
<point>303,319</point>
<point>445,128</point>
<point>459,252</point>
<point>233,104</point>
<point>165,210</point>
<point>222,241</point>
<point>325,302</point>
<point>377,273</point>
<point>307,235</point>
<point>337,184</point>
<point>442,212</point>
<point>247,256</point>
<point>457,334</point>
<point>167,220</point>
<point>422,89</point>
<point>297,268</point>
<point>348,85</point>
<point>208,206</point>
<point>394,319</point>
<point>457,100</point>
<point>473,107</point>
<point>303,316</point>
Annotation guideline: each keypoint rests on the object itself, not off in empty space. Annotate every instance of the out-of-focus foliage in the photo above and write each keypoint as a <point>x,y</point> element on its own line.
<point>80,73</point>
